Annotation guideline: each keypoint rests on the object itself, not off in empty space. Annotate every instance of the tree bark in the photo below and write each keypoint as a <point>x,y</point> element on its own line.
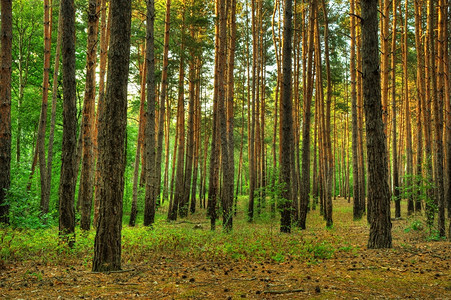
<point>378,191</point>
<point>112,132</point>
<point>87,169</point>
<point>68,174</point>
<point>286,120</point>
<point>45,188</point>
<point>5,106</point>
<point>305,176</point>
<point>150,197</point>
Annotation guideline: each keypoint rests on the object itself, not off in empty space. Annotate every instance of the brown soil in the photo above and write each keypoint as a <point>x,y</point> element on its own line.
<point>414,268</point>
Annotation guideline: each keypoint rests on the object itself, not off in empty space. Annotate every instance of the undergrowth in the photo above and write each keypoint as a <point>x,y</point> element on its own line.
<point>246,243</point>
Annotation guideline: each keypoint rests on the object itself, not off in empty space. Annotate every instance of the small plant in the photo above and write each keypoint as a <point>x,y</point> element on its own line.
<point>416,225</point>
<point>421,189</point>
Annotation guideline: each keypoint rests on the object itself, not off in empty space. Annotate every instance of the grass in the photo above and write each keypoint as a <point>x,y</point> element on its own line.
<point>257,241</point>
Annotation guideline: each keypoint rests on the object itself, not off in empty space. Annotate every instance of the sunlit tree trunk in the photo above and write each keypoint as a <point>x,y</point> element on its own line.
<point>394,126</point>
<point>104,41</point>
<point>86,177</point>
<point>162,107</point>
<point>439,86</point>
<point>420,95</point>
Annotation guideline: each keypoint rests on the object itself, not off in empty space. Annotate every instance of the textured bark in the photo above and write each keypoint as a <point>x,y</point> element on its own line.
<point>87,168</point>
<point>45,188</point>
<point>286,119</point>
<point>327,133</point>
<point>420,95</point>
<point>68,174</point>
<point>213,176</point>
<point>162,108</point>
<point>357,209</point>
<point>394,127</point>
<point>305,176</point>
<point>439,86</point>
<point>54,104</point>
<point>409,149</point>
<point>5,105</point>
<point>150,145</point>
<point>104,41</point>
<point>378,191</point>
<point>251,129</point>
<point>197,117</point>
<point>112,132</point>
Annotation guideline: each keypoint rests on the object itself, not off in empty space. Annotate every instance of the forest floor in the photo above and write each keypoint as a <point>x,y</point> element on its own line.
<point>415,267</point>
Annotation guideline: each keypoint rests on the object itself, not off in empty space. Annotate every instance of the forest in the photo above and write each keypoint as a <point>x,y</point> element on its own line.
<point>204,143</point>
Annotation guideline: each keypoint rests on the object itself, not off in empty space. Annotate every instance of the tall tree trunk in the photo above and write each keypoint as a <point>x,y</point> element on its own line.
<point>54,104</point>
<point>329,168</point>
<point>357,209</point>
<point>68,150</point>
<point>179,178</point>
<point>149,200</point>
<point>5,106</point>
<point>162,106</point>
<point>438,96</point>
<point>378,192</point>
<point>420,95</point>
<point>230,114</point>
<point>86,177</point>
<point>104,41</point>
<point>409,149</point>
<point>252,127</point>
<point>305,176</point>
<point>112,131</point>
<point>286,121</point>
<point>394,127</point>
<point>45,188</point>
<point>227,190</point>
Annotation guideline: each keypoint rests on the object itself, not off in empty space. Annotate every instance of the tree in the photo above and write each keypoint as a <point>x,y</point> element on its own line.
<point>357,208</point>
<point>68,174</point>
<point>305,176</point>
<point>149,210</point>
<point>5,106</point>
<point>286,129</point>
<point>107,244</point>
<point>378,191</point>
<point>45,187</point>
<point>87,169</point>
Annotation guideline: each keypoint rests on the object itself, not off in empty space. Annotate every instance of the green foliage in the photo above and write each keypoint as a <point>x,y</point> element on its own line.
<point>415,225</point>
<point>24,206</point>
